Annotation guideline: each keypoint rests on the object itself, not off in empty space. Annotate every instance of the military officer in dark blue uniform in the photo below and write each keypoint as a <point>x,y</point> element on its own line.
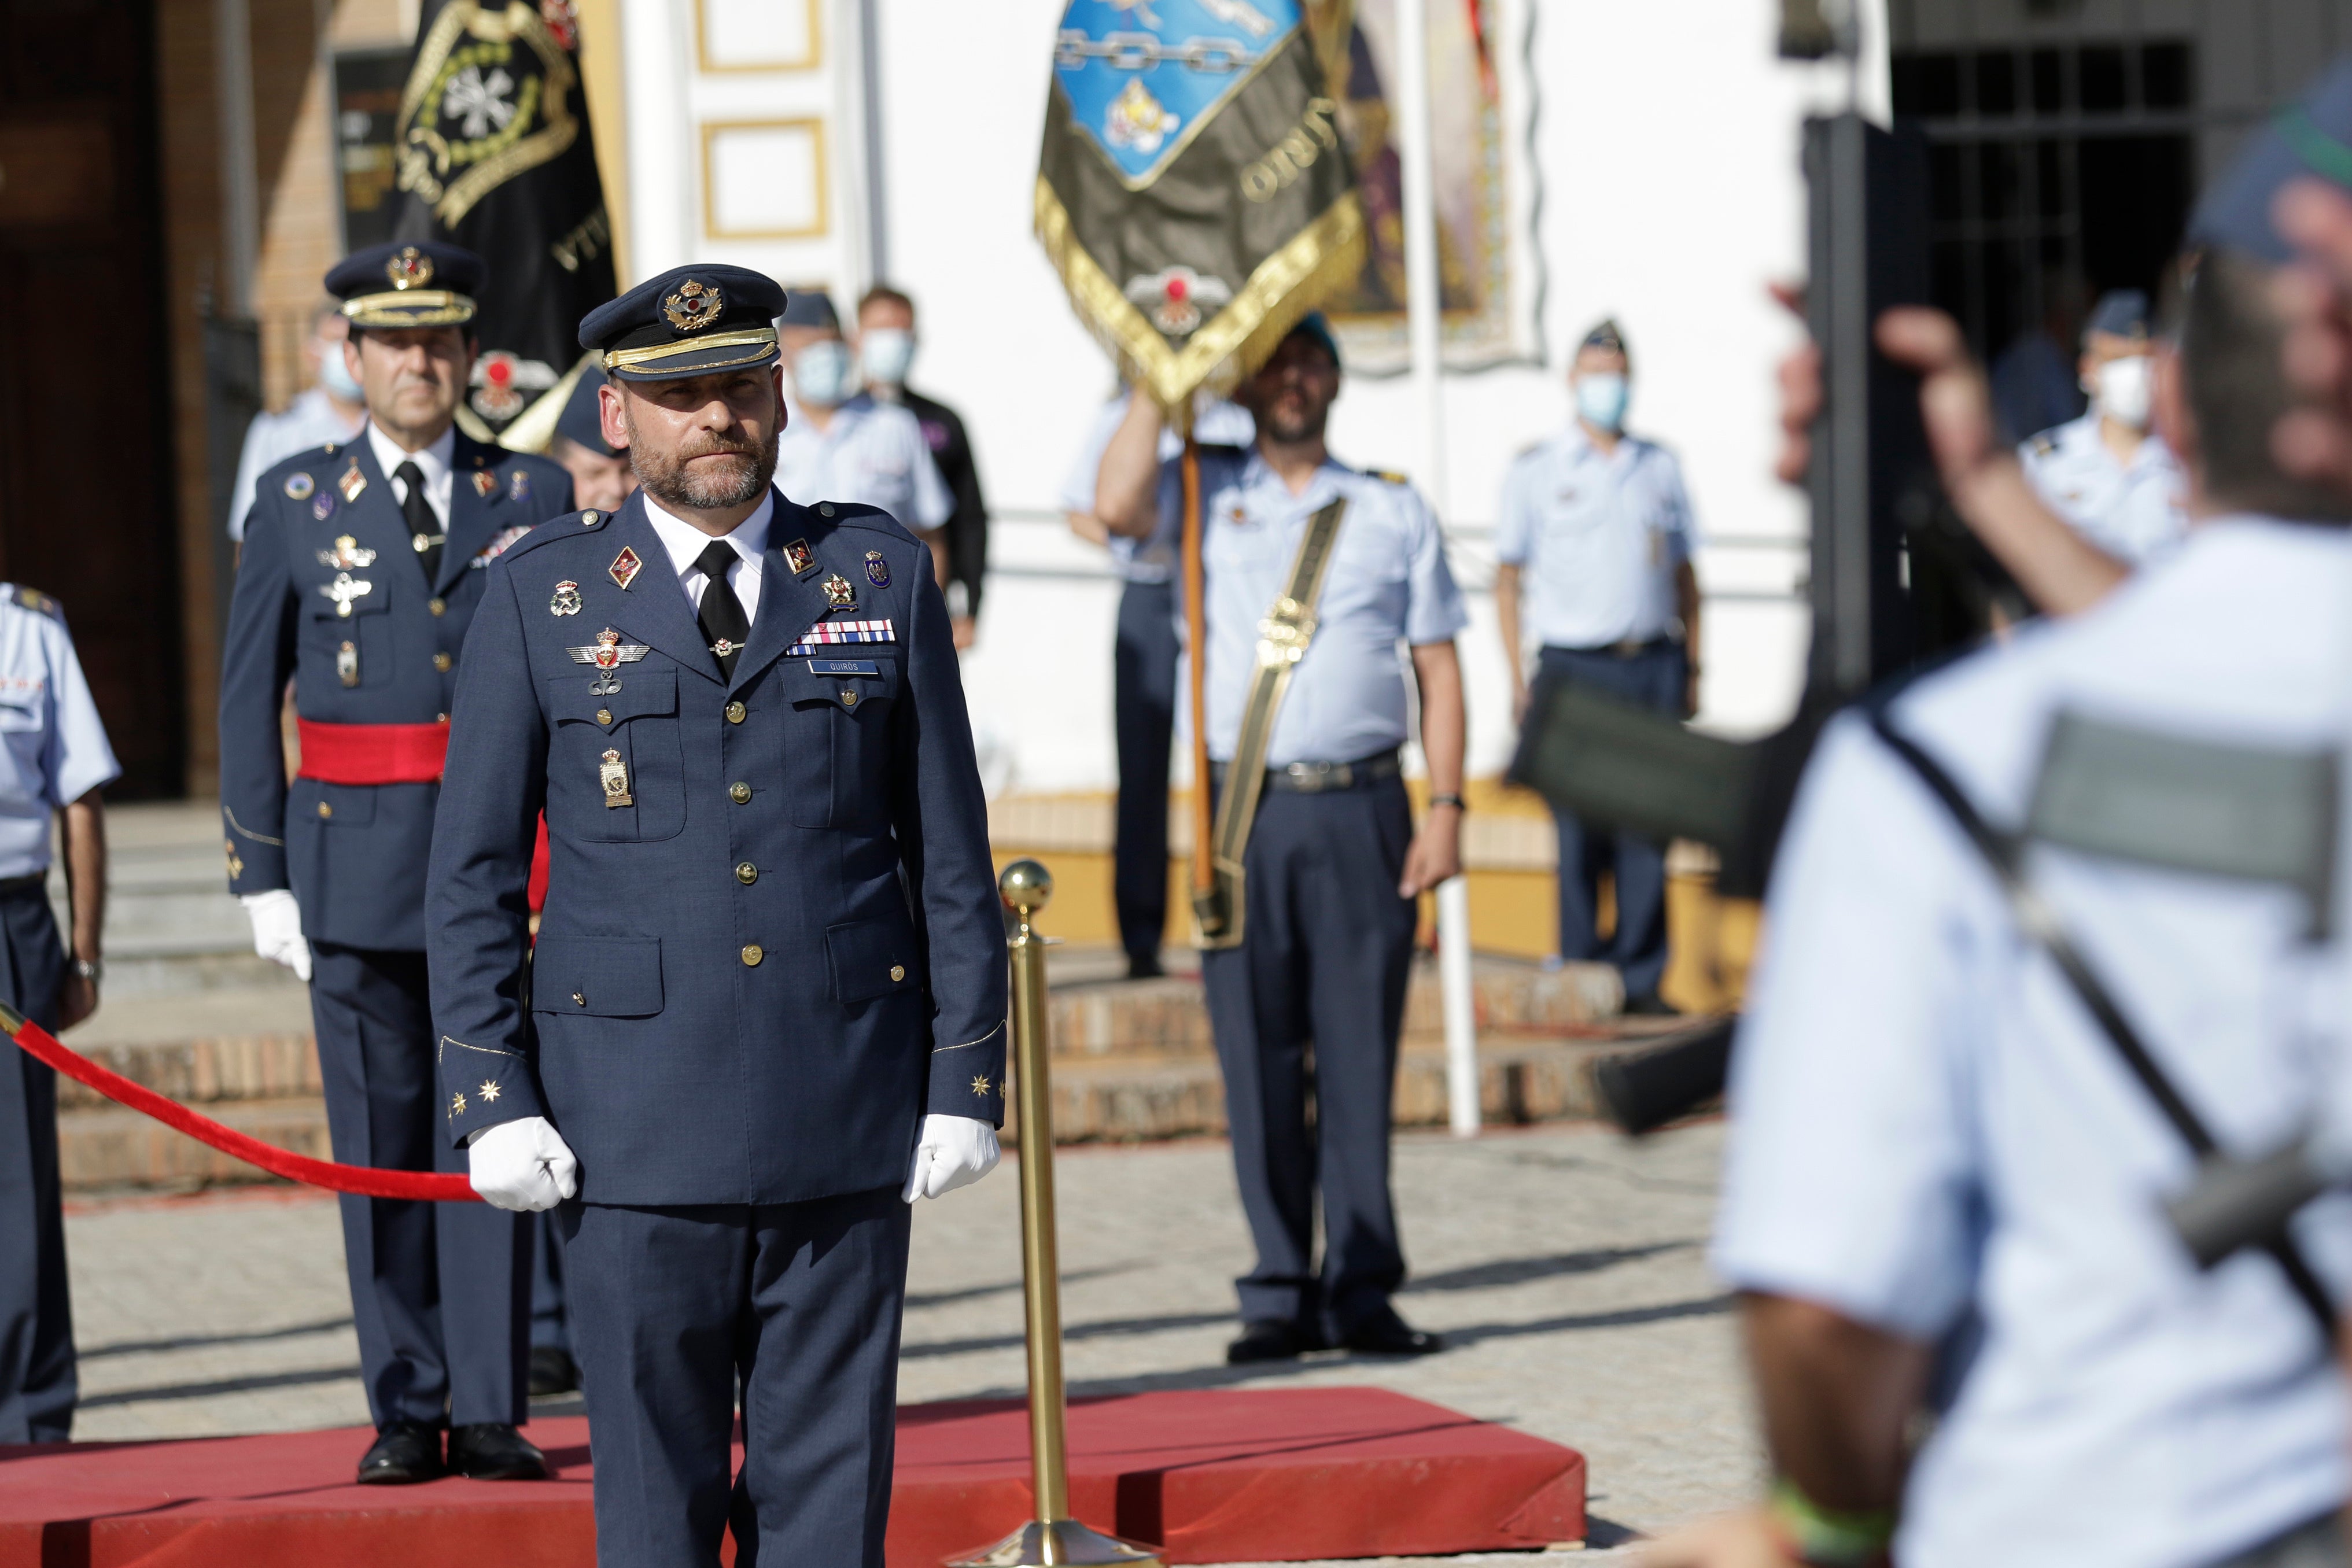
<point>361,567</point>
<point>766,1008</point>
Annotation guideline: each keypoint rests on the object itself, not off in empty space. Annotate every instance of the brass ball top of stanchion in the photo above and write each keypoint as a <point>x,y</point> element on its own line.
<point>1026,886</point>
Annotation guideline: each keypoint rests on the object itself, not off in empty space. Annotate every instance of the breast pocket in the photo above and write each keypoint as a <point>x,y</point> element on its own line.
<point>616,764</point>
<point>347,638</point>
<point>837,735</point>
<point>597,977</point>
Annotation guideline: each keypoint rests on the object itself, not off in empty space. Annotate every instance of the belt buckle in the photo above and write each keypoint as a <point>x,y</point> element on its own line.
<point>1305,777</point>
<point>1343,776</point>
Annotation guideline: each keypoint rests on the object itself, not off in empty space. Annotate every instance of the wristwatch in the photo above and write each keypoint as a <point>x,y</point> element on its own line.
<point>91,969</point>
<point>1456,801</point>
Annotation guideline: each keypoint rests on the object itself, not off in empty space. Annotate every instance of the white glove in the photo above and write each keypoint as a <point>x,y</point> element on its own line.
<point>953,1152</point>
<point>278,929</point>
<point>522,1165</point>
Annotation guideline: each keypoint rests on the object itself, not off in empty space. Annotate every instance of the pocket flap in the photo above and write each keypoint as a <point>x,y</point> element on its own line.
<point>855,678</point>
<point>601,977</point>
<point>346,805</point>
<point>872,958</point>
<point>643,693</point>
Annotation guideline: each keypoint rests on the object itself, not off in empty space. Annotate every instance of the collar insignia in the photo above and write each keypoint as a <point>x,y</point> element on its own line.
<point>624,568</point>
<point>351,483</point>
<point>797,557</point>
<point>485,482</point>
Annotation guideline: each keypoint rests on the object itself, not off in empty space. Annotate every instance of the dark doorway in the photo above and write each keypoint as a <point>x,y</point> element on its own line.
<point>85,498</point>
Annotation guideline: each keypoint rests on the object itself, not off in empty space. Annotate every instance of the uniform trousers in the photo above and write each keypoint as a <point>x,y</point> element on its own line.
<point>1657,677</point>
<point>798,1304</point>
<point>1143,667</point>
<point>440,1292</point>
<point>1326,948</point>
<point>549,1328</point>
<point>37,1384</point>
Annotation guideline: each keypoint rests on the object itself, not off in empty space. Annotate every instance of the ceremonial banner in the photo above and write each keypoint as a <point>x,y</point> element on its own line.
<point>494,153</point>
<point>1193,191</point>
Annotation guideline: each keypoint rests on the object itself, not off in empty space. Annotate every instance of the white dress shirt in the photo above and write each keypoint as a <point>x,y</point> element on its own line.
<point>53,747</point>
<point>433,462</point>
<point>2131,510</point>
<point>1599,537</point>
<point>686,544</point>
<point>871,454</point>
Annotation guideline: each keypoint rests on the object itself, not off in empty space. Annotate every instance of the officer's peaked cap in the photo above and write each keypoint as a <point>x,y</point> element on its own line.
<point>581,424</point>
<point>2120,313</point>
<point>408,283</point>
<point>2313,139</point>
<point>689,322</point>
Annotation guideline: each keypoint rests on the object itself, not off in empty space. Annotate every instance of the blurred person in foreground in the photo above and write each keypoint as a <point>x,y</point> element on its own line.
<point>1146,655</point>
<point>1595,545</point>
<point>1943,1198</point>
<point>2107,473</point>
<point>1334,863</point>
<point>600,476</point>
<point>332,407</point>
<point>886,351</point>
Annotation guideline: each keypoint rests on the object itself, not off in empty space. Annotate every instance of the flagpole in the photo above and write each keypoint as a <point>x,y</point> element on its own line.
<point>1196,637</point>
<point>1417,155</point>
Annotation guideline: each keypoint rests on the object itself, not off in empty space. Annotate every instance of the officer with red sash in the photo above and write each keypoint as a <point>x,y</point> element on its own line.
<point>362,567</point>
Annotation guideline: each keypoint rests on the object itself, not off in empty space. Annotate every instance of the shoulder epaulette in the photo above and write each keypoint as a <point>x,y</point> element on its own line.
<point>571,524</point>
<point>1386,475</point>
<point>34,600</point>
<point>2043,445</point>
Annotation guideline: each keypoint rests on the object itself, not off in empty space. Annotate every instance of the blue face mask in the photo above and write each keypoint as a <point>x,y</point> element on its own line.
<point>821,372</point>
<point>1600,398</point>
<point>335,376</point>
<point>886,352</point>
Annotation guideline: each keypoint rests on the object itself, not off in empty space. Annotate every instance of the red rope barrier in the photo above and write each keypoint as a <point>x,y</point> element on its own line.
<point>366,1181</point>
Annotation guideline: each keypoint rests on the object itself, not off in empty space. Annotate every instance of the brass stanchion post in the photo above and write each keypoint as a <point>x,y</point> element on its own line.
<point>1051,1537</point>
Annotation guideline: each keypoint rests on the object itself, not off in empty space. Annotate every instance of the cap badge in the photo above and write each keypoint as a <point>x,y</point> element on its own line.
<point>567,599</point>
<point>694,307</point>
<point>624,568</point>
<point>484,483</point>
<point>797,557</point>
<point>839,593</point>
<point>298,486</point>
<point>878,571</point>
<point>409,268</point>
<point>348,555</point>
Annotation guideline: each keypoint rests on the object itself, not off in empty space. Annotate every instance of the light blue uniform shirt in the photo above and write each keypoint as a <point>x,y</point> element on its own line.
<point>308,422</point>
<point>1925,1119</point>
<point>872,454</point>
<point>1147,560</point>
<point>2132,511</point>
<point>1597,539</point>
<point>56,750</point>
<point>1387,581</point>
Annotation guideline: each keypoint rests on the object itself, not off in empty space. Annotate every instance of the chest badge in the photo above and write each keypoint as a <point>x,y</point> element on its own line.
<point>878,571</point>
<point>797,557</point>
<point>624,568</point>
<point>838,593</point>
<point>298,486</point>
<point>485,482</point>
<point>353,483</point>
<point>607,653</point>
<point>323,508</point>
<point>344,591</point>
<point>567,599</point>
<point>349,555</point>
<point>517,486</point>
<point>614,775</point>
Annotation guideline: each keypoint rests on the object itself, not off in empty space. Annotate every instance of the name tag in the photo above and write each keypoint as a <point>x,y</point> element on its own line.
<point>844,668</point>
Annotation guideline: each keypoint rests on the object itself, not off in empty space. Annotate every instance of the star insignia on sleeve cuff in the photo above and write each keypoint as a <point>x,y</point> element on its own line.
<point>490,1091</point>
<point>456,1105</point>
<point>980,1085</point>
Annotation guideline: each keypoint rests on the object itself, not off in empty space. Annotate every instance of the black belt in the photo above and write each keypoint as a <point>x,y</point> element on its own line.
<point>1323,777</point>
<point>1630,648</point>
<point>36,882</point>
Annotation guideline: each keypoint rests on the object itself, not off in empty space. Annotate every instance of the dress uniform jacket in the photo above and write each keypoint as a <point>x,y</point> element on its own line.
<point>771,940</point>
<point>367,642</point>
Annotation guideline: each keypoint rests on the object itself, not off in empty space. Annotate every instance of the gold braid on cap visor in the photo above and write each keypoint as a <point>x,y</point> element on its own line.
<point>409,308</point>
<point>759,342</point>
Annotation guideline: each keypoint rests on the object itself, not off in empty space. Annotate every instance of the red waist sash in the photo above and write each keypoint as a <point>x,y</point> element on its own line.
<point>373,753</point>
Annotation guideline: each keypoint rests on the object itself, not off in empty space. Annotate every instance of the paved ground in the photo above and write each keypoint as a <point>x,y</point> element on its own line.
<point>1563,1263</point>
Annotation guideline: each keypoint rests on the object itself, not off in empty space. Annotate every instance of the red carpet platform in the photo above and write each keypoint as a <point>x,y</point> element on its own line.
<point>1217,1477</point>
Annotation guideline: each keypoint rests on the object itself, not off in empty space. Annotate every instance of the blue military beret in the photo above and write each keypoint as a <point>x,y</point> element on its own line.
<point>2314,138</point>
<point>1316,328</point>
<point>2120,313</point>
<point>579,423</point>
<point>419,284</point>
<point>811,308</point>
<point>689,322</point>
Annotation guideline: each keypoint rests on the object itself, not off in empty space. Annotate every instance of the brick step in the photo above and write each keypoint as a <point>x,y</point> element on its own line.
<point>106,1147</point>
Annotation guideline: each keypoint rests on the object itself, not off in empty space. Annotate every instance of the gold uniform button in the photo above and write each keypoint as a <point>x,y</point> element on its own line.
<point>325,810</point>
<point>442,662</point>
<point>898,971</point>
<point>439,607</point>
<point>747,873</point>
<point>578,999</point>
<point>734,713</point>
<point>753,954</point>
<point>739,793</point>
<point>604,715</point>
<point>589,518</point>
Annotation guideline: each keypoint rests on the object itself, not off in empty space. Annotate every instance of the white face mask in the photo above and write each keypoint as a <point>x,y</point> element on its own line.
<point>2126,391</point>
<point>821,372</point>
<point>1601,399</point>
<point>885,353</point>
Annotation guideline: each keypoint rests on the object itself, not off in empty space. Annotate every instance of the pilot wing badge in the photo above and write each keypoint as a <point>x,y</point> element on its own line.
<point>607,653</point>
<point>1159,111</point>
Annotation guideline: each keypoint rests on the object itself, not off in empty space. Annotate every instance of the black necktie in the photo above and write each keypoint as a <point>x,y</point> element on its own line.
<point>424,528</point>
<point>724,624</point>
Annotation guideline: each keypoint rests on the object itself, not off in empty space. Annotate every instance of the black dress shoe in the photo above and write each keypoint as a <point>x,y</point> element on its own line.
<point>1385,1333</point>
<point>405,1453</point>
<point>553,1370</point>
<point>1651,1005</point>
<point>494,1451</point>
<point>1144,966</point>
<point>1271,1339</point>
